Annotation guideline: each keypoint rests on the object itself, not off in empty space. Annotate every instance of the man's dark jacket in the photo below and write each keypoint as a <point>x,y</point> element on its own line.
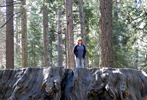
<point>75,51</point>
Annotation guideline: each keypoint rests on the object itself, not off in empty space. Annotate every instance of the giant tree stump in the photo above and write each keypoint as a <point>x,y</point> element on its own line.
<point>58,83</point>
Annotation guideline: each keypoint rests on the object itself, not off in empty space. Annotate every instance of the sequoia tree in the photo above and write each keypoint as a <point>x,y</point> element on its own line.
<point>9,35</point>
<point>45,35</point>
<point>69,35</point>
<point>24,34</point>
<point>83,31</point>
<point>1,50</point>
<point>105,41</point>
<point>59,38</point>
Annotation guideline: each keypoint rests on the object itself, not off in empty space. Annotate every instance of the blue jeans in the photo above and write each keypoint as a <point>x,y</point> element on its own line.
<point>79,62</point>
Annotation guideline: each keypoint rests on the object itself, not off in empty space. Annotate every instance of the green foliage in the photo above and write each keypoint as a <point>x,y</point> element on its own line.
<point>35,40</point>
<point>129,32</point>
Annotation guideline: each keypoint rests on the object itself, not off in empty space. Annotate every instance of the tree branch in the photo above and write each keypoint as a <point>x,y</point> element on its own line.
<point>10,4</point>
<point>9,19</point>
<point>133,19</point>
<point>136,28</point>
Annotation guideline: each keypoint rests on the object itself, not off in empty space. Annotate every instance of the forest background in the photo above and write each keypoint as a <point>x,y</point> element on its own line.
<point>38,33</point>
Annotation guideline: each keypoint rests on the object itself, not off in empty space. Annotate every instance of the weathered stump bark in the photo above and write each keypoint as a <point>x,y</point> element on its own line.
<point>57,83</point>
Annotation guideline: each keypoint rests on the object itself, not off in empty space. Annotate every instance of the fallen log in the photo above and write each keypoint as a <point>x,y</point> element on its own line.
<point>58,83</point>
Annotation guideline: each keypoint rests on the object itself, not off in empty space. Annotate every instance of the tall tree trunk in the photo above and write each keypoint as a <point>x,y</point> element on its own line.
<point>1,49</point>
<point>1,44</point>
<point>59,39</point>
<point>83,31</point>
<point>34,55</point>
<point>24,34</point>
<point>9,35</point>
<point>69,35</point>
<point>50,51</point>
<point>65,43</point>
<point>51,38</point>
<point>136,56</point>
<point>136,59</point>
<point>17,47</point>
<point>115,14</point>
<point>106,49</point>
<point>45,35</point>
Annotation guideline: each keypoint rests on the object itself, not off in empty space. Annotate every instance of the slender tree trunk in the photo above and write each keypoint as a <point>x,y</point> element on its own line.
<point>136,56</point>
<point>9,35</point>
<point>82,21</point>
<point>24,34</point>
<point>136,59</point>
<point>50,52</point>
<point>17,47</point>
<point>83,31</point>
<point>34,55</point>
<point>106,49</point>
<point>65,48</point>
<point>59,39</point>
<point>115,14</point>
<point>45,35</point>
<point>1,57</point>
<point>1,45</point>
<point>69,35</point>
<point>1,51</point>
<point>50,42</point>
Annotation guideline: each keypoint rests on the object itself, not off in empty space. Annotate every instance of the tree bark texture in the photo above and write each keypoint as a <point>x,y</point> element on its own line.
<point>17,37</point>
<point>83,31</point>
<point>105,42</point>
<point>24,34</point>
<point>59,39</point>
<point>1,51</point>
<point>136,59</point>
<point>1,46</point>
<point>57,83</point>
<point>45,35</point>
<point>9,35</point>
<point>69,35</point>
<point>50,50</point>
